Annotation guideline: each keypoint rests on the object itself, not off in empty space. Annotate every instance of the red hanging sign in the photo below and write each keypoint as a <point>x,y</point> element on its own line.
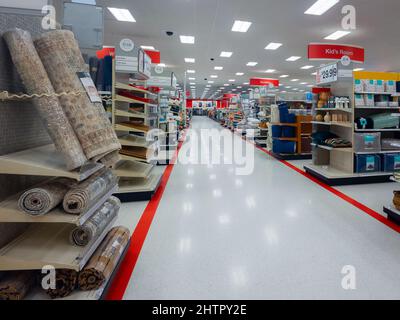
<point>264,82</point>
<point>155,56</point>
<point>329,51</point>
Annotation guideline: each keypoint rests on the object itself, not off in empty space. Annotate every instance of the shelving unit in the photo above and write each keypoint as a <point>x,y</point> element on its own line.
<point>336,166</point>
<point>133,120</point>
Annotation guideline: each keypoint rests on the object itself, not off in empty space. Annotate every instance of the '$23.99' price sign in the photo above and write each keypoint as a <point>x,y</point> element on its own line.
<point>327,74</point>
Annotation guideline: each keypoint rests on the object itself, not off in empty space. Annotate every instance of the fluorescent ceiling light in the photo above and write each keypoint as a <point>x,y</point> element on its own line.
<point>320,7</point>
<point>218,68</point>
<point>190,60</point>
<point>147,47</point>
<point>358,69</point>
<point>293,58</point>
<point>304,83</point>
<point>239,73</point>
<point>314,74</point>
<point>241,26</point>
<point>294,80</point>
<point>226,54</point>
<point>226,85</point>
<point>252,64</point>
<point>239,87</point>
<point>191,71</point>
<point>288,87</point>
<point>284,76</point>
<point>192,79</point>
<point>162,65</point>
<point>231,80</point>
<point>214,76</point>
<point>211,82</point>
<point>246,83</point>
<point>270,71</point>
<point>273,46</point>
<point>193,83</point>
<point>307,67</point>
<point>337,35</point>
<point>310,86</point>
<point>208,86</point>
<point>187,39</point>
<point>122,14</point>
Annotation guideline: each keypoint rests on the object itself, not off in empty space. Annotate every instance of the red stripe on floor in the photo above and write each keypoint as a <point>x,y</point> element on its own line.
<point>336,192</point>
<point>121,280</point>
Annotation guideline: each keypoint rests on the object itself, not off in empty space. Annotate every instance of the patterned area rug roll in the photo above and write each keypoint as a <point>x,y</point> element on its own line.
<point>16,285</point>
<point>111,159</point>
<point>103,262</point>
<point>66,282</point>
<point>42,199</point>
<point>91,229</point>
<point>82,197</point>
<point>36,80</point>
<point>62,59</point>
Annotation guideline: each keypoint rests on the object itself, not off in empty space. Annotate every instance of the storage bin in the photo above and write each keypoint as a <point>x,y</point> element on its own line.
<point>367,142</point>
<point>276,131</point>
<point>366,163</point>
<point>291,118</point>
<point>391,162</point>
<point>306,145</point>
<point>384,121</point>
<point>283,113</point>
<point>288,132</point>
<point>287,147</point>
<point>390,144</point>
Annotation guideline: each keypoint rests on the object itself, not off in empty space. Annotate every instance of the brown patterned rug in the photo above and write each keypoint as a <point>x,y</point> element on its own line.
<point>62,59</point>
<point>15,285</point>
<point>36,81</point>
<point>103,262</point>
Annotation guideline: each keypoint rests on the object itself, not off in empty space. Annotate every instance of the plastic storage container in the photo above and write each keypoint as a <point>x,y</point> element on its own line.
<point>287,147</point>
<point>276,131</point>
<point>283,113</point>
<point>391,162</point>
<point>366,163</point>
<point>384,121</point>
<point>367,142</point>
<point>288,132</point>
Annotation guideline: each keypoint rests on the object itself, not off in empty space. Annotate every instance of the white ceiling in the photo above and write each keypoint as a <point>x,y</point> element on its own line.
<point>284,21</point>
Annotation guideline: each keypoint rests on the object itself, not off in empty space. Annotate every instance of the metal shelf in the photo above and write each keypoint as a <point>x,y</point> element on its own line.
<point>44,161</point>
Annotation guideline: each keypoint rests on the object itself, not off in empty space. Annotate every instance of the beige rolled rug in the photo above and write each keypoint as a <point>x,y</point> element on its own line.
<point>91,229</point>
<point>66,282</point>
<point>62,59</point>
<point>82,197</point>
<point>105,259</point>
<point>43,198</point>
<point>36,81</point>
<point>15,285</point>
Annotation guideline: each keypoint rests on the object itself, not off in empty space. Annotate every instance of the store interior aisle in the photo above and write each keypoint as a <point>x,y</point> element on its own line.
<point>269,235</point>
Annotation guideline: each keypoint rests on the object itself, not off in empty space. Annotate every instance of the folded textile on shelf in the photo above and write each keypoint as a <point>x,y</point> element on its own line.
<point>62,58</point>
<point>91,229</point>
<point>137,152</point>
<point>82,196</point>
<point>136,126</point>
<point>43,198</point>
<point>103,262</point>
<point>36,81</point>
<point>338,143</point>
<point>66,282</point>
<point>15,285</point>
<point>111,159</point>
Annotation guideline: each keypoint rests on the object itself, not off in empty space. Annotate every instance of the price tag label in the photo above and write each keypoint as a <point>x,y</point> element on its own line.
<point>327,74</point>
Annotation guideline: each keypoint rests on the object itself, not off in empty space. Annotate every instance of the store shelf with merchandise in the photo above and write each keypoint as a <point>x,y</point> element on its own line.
<point>135,117</point>
<point>352,126</point>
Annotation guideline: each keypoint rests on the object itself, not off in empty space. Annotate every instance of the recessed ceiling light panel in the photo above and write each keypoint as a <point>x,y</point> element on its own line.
<point>241,26</point>
<point>122,14</point>
<point>320,7</point>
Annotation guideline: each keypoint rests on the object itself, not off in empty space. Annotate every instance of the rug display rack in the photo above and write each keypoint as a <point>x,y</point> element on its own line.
<point>46,240</point>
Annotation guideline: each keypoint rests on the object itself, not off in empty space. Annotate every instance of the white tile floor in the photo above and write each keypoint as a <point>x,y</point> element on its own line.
<point>270,235</point>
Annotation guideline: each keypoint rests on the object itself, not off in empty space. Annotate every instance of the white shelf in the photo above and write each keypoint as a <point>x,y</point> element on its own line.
<point>331,148</point>
<point>129,114</point>
<point>43,161</point>
<point>131,100</point>
<point>140,185</point>
<point>333,173</point>
<point>339,124</point>
<point>47,244</point>
<point>379,152</point>
<point>377,130</point>
<point>335,109</point>
<point>10,212</point>
<point>377,108</point>
<point>123,86</point>
<point>126,128</point>
<point>134,141</point>
<point>132,169</point>
<point>377,93</point>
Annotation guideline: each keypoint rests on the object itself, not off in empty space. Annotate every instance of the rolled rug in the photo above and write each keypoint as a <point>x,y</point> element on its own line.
<point>111,159</point>
<point>91,229</point>
<point>82,197</point>
<point>42,199</point>
<point>103,262</point>
<point>63,61</point>
<point>66,281</point>
<point>16,285</point>
<point>36,81</point>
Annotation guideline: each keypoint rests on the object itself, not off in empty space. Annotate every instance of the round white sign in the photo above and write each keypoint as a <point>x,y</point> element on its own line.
<point>345,61</point>
<point>127,45</point>
<point>159,69</point>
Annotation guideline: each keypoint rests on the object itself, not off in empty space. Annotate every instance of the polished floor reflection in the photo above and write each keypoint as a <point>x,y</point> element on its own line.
<point>270,235</point>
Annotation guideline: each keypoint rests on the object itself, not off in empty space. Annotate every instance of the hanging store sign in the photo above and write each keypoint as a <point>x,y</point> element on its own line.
<point>329,51</point>
<point>264,82</point>
<point>327,74</point>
